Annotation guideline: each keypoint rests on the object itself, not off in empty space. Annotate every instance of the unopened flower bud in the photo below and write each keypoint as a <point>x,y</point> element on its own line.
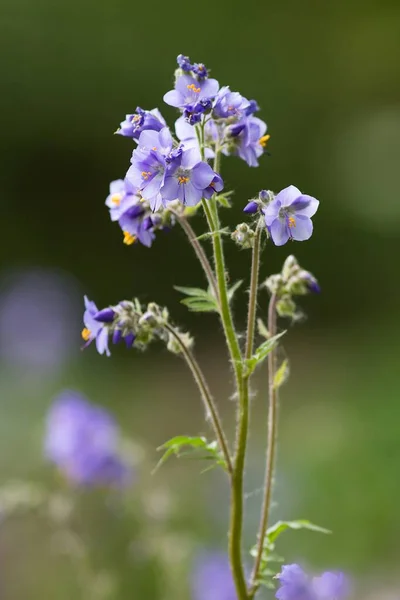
<point>274,284</point>
<point>251,207</point>
<point>285,307</point>
<point>105,316</point>
<point>290,266</point>
<point>243,236</point>
<point>175,347</point>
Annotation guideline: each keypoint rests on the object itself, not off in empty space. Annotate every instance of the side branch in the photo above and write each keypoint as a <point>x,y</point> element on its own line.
<point>206,397</point>
<point>271,448</point>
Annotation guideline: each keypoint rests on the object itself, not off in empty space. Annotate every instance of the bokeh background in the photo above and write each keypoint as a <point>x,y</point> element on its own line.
<point>326,77</point>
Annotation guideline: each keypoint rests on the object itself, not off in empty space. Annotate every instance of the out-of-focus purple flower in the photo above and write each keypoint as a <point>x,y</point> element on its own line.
<point>82,441</point>
<point>212,579</point>
<point>249,138</point>
<point>330,586</point>
<point>94,330</point>
<point>39,313</point>
<point>141,120</point>
<point>189,92</point>
<point>294,584</point>
<point>229,104</point>
<point>187,178</point>
<point>149,163</point>
<point>289,216</point>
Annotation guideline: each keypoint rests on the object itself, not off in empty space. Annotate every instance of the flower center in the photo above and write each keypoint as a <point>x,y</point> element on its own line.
<point>136,118</point>
<point>182,179</point>
<point>86,333</point>
<point>116,199</point>
<point>263,140</point>
<point>129,238</point>
<point>193,88</point>
<point>291,222</point>
<point>146,174</point>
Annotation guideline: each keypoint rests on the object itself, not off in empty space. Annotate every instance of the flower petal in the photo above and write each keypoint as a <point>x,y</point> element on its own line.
<point>170,189</point>
<point>209,88</point>
<point>184,131</point>
<point>102,341</point>
<point>288,195</point>
<point>302,229</point>
<point>174,98</point>
<point>279,232</point>
<point>305,205</point>
<point>271,211</point>
<point>193,195</point>
<point>202,175</point>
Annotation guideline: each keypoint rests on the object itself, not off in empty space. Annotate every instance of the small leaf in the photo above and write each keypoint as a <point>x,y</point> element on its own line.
<point>176,446</point>
<point>262,329</point>
<point>223,200</point>
<point>198,300</point>
<point>282,374</point>
<point>261,353</point>
<point>233,289</point>
<point>210,234</point>
<point>190,291</point>
<point>276,530</point>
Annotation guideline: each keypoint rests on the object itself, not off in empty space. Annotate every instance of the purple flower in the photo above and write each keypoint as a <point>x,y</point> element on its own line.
<point>216,185</point>
<point>187,178</point>
<point>330,586</point>
<point>184,63</point>
<point>252,108</point>
<point>200,70</point>
<point>189,92</point>
<point>229,104</point>
<point>251,207</point>
<point>94,330</point>
<point>294,584</point>
<point>212,579</point>
<point>122,192</point>
<point>149,163</point>
<point>288,216</point>
<point>141,120</point>
<point>249,139</point>
<point>186,133</point>
<point>82,440</point>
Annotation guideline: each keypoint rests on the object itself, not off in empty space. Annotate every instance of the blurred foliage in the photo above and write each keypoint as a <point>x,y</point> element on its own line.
<point>326,78</point>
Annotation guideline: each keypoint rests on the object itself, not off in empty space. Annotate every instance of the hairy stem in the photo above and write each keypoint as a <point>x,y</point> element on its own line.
<point>211,408</point>
<point>251,314</point>
<point>271,448</point>
<point>199,250</point>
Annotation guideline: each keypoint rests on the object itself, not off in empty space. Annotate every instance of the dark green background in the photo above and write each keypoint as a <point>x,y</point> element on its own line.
<point>326,77</point>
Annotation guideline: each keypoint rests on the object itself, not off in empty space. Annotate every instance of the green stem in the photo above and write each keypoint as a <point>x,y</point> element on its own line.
<point>199,250</point>
<point>210,407</point>
<point>252,309</point>
<point>271,449</point>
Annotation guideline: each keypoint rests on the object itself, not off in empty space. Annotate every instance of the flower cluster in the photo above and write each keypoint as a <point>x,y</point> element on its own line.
<point>292,281</point>
<point>128,321</point>
<point>287,216</point>
<point>227,118</point>
<point>295,584</point>
<point>82,440</point>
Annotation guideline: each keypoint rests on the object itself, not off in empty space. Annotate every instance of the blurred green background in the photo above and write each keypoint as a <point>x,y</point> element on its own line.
<point>326,77</point>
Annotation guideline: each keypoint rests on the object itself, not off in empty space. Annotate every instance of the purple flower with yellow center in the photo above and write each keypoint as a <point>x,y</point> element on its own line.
<point>288,217</point>
<point>137,224</point>
<point>141,120</point>
<point>249,139</point>
<point>122,193</point>
<point>149,164</point>
<point>229,104</point>
<point>187,178</point>
<point>82,441</point>
<point>212,578</point>
<point>94,329</point>
<point>189,92</point>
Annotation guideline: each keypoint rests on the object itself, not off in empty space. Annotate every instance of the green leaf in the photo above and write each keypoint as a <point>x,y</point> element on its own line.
<point>198,300</point>
<point>282,374</point>
<point>223,200</point>
<point>276,530</point>
<point>261,353</point>
<point>183,445</point>
<point>262,329</point>
<point>233,289</point>
<point>210,234</point>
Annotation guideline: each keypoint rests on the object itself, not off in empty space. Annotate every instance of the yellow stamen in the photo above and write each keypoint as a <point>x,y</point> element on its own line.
<point>135,118</point>
<point>116,199</point>
<point>129,238</point>
<point>154,148</point>
<point>146,174</point>
<point>182,179</point>
<point>263,140</point>
<point>291,222</point>
<point>86,333</point>
<point>194,89</point>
